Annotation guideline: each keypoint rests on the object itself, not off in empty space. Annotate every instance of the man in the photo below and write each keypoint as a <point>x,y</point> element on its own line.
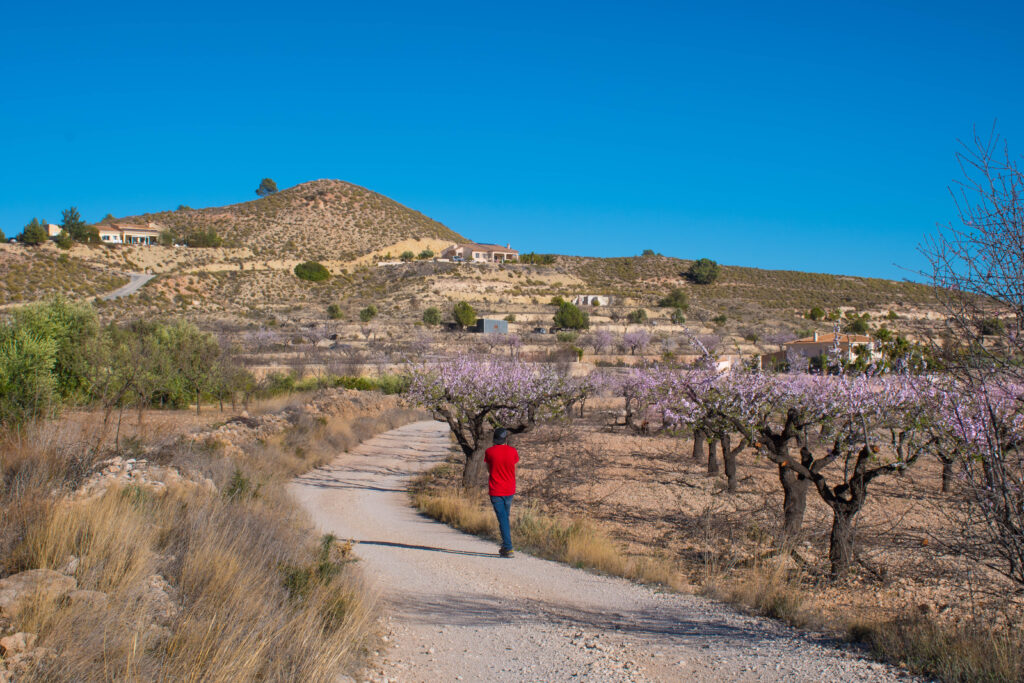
<point>501,462</point>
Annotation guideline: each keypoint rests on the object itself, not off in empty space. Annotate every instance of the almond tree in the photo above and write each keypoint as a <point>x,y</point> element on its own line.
<point>474,396</point>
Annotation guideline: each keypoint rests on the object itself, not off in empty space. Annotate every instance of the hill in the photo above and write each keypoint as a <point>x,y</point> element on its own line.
<point>326,220</point>
<point>34,273</point>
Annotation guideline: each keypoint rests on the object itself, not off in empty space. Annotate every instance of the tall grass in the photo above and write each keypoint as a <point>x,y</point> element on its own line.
<point>577,542</point>
<point>252,594</point>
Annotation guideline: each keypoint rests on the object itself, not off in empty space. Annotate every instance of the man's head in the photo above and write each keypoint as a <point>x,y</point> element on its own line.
<point>500,435</point>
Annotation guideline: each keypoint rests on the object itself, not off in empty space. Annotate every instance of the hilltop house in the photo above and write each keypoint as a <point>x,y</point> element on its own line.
<point>123,233</point>
<point>480,253</point>
<point>591,300</point>
<point>845,345</point>
<point>52,230</point>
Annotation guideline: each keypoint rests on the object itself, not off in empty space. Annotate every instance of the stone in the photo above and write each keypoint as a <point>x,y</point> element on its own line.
<point>85,598</point>
<point>19,590</point>
<point>70,566</point>
<point>19,642</point>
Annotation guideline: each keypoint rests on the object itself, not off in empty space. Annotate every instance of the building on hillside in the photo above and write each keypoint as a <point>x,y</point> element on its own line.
<point>591,300</point>
<point>846,346</point>
<point>491,326</point>
<point>118,233</point>
<point>53,230</point>
<point>480,253</point>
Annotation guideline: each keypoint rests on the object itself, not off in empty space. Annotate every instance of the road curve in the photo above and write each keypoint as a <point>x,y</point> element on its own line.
<point>455,611</point>
<point>135,282</point>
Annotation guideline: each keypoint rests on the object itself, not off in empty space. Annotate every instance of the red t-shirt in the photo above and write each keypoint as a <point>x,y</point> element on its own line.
<point>501,463</point>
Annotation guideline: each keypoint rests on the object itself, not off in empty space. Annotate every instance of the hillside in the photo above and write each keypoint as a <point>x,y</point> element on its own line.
<point>30,274</point>
<point>327,220</point>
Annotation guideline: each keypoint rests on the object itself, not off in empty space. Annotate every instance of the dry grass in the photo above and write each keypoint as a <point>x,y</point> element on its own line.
<point>577,542</point>
<point>251,594</point>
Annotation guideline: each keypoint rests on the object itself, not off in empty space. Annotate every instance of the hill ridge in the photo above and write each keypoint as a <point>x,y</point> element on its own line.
<point>326,219</point>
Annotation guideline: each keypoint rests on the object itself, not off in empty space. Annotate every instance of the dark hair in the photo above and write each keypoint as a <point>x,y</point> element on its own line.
<point>500,435</point>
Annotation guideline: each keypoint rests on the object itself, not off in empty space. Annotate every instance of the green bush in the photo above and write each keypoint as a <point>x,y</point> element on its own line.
<point>407,256</point>
<point>334,312</point>
<point>27,383</point>
<point>311,271</point>
<point>677,316</point>
<point>703,271</point>
<point>816,313</point>
<point>367,314</point>
<point>63,240</point>
<point>425,254</point>
<point>204,239</point>
<point>719,319</point>
<point>34,233</point>
<point>510,318</point>
<point>567,336</point>
<point>432,316</point>
<point>992,326</point>
<point>677,298</point>
<point>464,314</point>
<point>571,317</point>
<point>637,317</point>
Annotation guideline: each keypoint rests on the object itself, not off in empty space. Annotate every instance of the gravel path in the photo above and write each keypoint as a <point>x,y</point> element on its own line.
<point>135,282</point>
<point>457,612</point>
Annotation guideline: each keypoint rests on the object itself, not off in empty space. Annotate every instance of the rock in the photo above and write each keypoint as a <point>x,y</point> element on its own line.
<point>156,598</point>
<point>70,566</point>
<point>84,598</point>
<point>19,642</point>
<point>19,590</point>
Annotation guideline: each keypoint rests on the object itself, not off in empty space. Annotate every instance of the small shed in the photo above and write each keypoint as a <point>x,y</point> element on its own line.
<point>491,326</point>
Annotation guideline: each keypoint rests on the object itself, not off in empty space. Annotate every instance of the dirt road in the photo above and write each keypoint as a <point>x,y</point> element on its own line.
<point>455,611</point>
<point>135,282</point>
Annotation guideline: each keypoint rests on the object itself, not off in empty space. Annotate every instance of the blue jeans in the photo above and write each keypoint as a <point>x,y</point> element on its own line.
<point>502,506</point>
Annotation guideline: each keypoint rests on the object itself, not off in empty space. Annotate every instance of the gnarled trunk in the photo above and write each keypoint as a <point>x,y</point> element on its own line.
<point>713,458</point>
<point>794,503</point>
<point>700,442</point>
<point>473,472</point>
<point>729,459</point>
<point>947,474</point>
<point>840,548</point>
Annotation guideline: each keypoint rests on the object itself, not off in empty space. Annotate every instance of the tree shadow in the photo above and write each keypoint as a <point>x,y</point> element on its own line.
<point>412,546</point>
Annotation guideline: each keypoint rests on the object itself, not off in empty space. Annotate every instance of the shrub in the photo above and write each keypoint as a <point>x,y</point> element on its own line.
<point>719,319</point>
<point>677,298</point>
<point>677,316</point>
<point>204,239</point>
<point>703,271</point>
<point>432,316</point>
<point>991,326</point>
<point>464,314</point>
<point>367,314</point>
<point>63,240</point>
<point>510,318</point>
<point>857,326</point>
<point>407,256</point>
<point>425,254</point>
<point>571,317</point>
<point>637,317</point>
<point>334,312</point>
<point>647,252</point>
<point>33,234</point>
<point>166,238</point>
<point>556,301</point>
<point>312,271</point>
<point>816,313</point>
<point>567,336</point>
<point>537,259</point>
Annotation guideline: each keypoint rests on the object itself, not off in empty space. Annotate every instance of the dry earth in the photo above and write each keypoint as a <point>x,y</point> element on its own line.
<point>455,611</point>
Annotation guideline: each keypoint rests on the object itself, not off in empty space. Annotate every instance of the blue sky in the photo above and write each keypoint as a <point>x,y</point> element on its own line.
<point>815,136</point>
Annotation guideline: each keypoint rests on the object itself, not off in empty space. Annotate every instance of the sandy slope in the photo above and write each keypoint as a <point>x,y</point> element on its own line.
<point>455,611</point>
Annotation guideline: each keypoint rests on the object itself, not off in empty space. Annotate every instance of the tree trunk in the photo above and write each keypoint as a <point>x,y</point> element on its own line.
<point>473,473</point>
<point>729,458</point>
<point>197,402</point>
<point>947,475</point>
<point>700,441</point>
<point>794,503</point>
<point>840,549</point>
<point>713,458</point>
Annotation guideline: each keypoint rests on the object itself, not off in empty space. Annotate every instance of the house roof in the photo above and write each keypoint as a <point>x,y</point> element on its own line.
<point>830,338</point>
<point>481,247</point>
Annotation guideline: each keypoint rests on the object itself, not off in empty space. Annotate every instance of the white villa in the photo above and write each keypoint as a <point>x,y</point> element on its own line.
<point>122,233</point>
<point>480,253</point>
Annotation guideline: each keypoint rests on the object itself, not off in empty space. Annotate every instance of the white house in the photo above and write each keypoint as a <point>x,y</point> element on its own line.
<point>480,253</point>
<point>128,234</point>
